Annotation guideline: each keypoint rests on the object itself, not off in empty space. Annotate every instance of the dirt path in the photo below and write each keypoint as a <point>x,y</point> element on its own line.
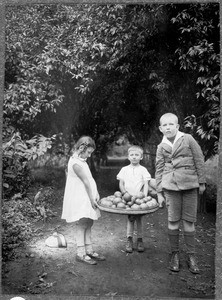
<point>39,269</point>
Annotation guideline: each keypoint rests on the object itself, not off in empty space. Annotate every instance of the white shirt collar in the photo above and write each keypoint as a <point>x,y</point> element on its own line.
<point>178,135</point>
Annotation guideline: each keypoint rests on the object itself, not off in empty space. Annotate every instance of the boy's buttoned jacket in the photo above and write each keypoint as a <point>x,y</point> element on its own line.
<point>180,167</point>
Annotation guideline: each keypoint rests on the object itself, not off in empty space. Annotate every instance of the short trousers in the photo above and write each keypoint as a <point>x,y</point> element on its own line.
<point>181,205</point>
<point>133,218</point>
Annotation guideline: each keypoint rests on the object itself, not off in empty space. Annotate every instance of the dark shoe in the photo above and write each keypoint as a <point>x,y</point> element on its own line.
<point>174,262</point>
<point>140,246</point>
<point>96,256</point>
<point>129,245</point>
<point>192,264</point>
<point>85,259</point>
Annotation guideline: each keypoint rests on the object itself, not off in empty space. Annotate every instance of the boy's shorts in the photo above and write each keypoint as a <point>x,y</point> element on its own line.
<point>133,218</point>
<point>181,205</point>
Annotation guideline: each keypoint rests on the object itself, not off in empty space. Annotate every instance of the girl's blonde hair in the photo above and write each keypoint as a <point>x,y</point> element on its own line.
<point>85,141</point>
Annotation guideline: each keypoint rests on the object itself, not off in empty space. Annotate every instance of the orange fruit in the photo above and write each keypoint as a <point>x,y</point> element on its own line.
<point>103,200</point>
<point>135,206</point>
<point>111,198</point>
<point>154,202</point>
<point>118,194</point>
<point>144,206</point>
<point>148,198</point>
<point>117,200</point>
<point>138,201</point>
<point>127,197</point>
<point>140,195</point>
<point>121,205</point>
<point>109,203</point>
<point>106,202</point>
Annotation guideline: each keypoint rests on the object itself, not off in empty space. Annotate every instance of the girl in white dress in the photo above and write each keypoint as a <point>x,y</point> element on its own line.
<point>80,199</point>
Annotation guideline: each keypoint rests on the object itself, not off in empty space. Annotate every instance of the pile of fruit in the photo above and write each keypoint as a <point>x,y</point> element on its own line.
<point>126,201</point>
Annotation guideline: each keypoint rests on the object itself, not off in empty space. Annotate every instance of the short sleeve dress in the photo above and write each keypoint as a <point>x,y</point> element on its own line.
<point>76,202</point>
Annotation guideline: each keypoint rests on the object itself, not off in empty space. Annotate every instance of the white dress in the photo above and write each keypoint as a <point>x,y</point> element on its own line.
<point>76,202</point>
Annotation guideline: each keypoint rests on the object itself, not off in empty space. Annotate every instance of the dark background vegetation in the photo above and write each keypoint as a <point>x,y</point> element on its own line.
<point>104,71</point>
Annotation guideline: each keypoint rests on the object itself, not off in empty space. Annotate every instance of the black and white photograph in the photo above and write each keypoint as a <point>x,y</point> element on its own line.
<point>111,150</point>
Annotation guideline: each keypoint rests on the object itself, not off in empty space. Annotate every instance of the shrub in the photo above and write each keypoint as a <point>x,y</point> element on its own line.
<point>16,155</point>
<point>16,220</point>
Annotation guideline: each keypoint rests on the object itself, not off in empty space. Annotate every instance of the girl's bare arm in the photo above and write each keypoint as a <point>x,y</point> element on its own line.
<point>81,174</point>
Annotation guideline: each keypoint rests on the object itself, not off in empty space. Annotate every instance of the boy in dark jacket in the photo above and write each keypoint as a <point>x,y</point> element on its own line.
<point>180,175</point>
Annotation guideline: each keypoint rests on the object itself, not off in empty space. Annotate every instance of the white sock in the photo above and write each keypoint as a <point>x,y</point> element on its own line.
<point>81,251</point>
<point>89,248</point>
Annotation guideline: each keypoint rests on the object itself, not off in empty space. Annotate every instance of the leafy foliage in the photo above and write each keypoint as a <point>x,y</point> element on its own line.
<point>16,155</point>
<point>18,215</point>
<point>24,79</point>
<point>69,48</point>
<point>198,54</point>
<point>16,221</point>
<point>101,70</point>
<point>104,67</point>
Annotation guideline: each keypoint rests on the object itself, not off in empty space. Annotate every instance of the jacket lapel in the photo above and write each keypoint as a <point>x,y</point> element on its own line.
<point>177,145</point>
<point>167,147</point>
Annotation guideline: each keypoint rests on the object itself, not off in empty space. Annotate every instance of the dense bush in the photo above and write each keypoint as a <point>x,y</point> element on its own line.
<point>16,220</point>
<point>17,211</point>
<point>16,155</point>
<point>19,215</point>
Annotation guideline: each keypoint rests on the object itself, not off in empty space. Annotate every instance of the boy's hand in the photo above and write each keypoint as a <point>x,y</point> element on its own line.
<point>161,200</point>
<point>201,188</point>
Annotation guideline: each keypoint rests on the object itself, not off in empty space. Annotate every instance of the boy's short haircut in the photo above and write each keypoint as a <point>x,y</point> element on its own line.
<point>169,115</point>
<point>137,148</point>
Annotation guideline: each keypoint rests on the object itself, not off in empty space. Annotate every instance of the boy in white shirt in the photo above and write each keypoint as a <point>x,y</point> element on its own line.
<point>134,179</point>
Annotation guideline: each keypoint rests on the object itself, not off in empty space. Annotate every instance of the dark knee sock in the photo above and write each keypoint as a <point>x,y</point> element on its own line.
<point>189,238</point>
<point>174,239</point>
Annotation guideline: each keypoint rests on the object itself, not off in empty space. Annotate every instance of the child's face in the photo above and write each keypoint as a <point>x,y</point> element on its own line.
<point>169,127</point>
<point>135,157</point>
<point>87,153</point>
